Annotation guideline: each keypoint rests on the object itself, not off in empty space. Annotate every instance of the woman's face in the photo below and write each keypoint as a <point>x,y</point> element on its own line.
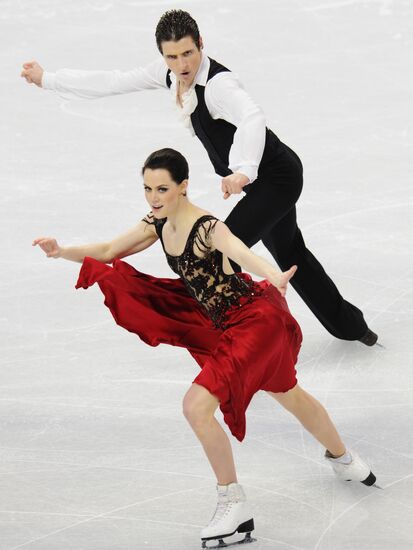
<point>162,192</point>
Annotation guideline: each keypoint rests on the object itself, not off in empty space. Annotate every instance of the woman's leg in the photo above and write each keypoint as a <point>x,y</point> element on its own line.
<point>313,417</point>
<point>199,407</point>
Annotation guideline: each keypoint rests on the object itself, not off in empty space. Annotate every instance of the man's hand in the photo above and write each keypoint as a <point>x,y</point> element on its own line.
<point>33,73</point>
<point>233,184</point>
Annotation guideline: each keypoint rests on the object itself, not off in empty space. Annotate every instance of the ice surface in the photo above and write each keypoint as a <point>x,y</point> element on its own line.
<point>95,452</point>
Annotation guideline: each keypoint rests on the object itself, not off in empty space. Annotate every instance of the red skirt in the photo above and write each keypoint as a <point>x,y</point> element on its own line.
<point>257,350</point>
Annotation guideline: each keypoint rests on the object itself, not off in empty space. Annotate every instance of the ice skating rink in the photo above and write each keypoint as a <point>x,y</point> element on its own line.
<point>95,452</point>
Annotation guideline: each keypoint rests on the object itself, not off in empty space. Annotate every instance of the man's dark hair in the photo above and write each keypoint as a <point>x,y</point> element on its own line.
<point>174,25</point>
<point>171,160</point>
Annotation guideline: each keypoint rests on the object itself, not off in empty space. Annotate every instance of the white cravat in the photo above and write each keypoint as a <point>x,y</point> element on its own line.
<point>189,103</point>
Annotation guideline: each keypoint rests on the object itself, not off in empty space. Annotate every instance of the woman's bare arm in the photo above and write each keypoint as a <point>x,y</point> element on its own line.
<point>232,247</point>
<point>135,240</point>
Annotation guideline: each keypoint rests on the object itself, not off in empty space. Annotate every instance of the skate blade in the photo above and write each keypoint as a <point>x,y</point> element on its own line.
<point>377,486</point>
<point>223,544</point>
<point>380,345</point>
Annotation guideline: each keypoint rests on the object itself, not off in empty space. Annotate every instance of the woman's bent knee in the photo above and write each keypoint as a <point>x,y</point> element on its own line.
<point>199,405</point>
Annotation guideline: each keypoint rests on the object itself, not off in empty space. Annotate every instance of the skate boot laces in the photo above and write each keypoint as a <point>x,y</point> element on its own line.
<point>222,510</point>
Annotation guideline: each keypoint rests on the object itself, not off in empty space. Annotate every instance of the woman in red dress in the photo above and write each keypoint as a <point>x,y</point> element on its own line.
<point>239,331</point>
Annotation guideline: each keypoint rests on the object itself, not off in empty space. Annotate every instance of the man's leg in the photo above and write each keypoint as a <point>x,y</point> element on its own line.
<point>260,209</point>
<point>339,317</point>
<point>267,213</point>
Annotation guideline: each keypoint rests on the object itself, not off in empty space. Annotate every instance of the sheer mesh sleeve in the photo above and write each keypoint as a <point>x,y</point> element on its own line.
<point>149,219</point>
<point>155,223</point>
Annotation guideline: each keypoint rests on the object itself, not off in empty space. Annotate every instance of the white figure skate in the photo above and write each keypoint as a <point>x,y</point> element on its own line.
<point>357,470</point>
<point>232,515</point>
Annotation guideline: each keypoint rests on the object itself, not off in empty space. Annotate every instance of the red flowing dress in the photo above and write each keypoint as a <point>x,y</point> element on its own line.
<point>240,332</point>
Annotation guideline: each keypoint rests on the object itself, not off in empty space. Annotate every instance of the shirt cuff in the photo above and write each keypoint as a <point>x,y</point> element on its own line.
<point>250,171</point>
<point>49,81</point>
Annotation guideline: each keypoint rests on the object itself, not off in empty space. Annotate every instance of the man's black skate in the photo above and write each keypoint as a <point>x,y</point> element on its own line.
<point>369,339</point>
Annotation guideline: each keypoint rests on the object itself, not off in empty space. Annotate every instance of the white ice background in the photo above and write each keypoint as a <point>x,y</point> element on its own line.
<point>95,452</point>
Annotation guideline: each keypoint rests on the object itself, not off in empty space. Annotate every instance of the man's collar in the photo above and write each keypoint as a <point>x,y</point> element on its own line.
<point>201,76</point>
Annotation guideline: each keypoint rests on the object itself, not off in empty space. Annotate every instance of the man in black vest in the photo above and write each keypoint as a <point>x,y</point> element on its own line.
<point>250,158</point>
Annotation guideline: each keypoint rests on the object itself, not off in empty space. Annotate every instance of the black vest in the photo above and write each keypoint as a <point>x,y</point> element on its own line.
<point>217,136</point>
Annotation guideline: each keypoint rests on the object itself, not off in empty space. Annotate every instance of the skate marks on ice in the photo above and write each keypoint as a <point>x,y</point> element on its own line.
<point>106,515</point>
<point>391,523</point>
<point>385,6</point>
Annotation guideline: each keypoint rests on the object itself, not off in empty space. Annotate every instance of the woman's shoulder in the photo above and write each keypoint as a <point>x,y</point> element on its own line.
<point>151,220</point>
<point>203,230</point>
<point>155,224</point>
<point>202,214</point>
<point>204,222</point>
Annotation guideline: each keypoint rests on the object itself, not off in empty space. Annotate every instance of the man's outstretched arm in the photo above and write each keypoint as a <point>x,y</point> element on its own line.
<point>80,84</point>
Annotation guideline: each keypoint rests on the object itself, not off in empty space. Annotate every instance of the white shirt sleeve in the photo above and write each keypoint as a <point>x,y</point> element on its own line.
<point>225,98</point>
<point>75,84</point>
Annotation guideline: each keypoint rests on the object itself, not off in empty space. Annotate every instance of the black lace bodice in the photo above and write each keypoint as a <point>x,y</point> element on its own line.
<point>200,268</point>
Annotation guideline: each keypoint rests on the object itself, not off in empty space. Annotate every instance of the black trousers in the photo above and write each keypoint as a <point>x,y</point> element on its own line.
<point>267,213</point>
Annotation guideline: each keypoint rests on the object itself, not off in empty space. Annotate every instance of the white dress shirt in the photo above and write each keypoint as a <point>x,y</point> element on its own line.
<point>225,99</point>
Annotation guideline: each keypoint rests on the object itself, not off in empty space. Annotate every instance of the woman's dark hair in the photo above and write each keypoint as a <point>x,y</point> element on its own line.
<point>170,160</point>
<point>174,25</point>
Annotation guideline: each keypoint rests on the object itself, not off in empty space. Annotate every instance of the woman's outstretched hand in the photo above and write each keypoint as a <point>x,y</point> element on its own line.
<point>49,246</point>
<point>281,281</point>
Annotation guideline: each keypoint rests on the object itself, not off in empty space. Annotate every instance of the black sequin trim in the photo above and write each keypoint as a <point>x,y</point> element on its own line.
<point>200,268</point>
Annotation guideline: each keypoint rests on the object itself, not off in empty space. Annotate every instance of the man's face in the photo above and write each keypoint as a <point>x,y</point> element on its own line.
<point>183,58</point>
